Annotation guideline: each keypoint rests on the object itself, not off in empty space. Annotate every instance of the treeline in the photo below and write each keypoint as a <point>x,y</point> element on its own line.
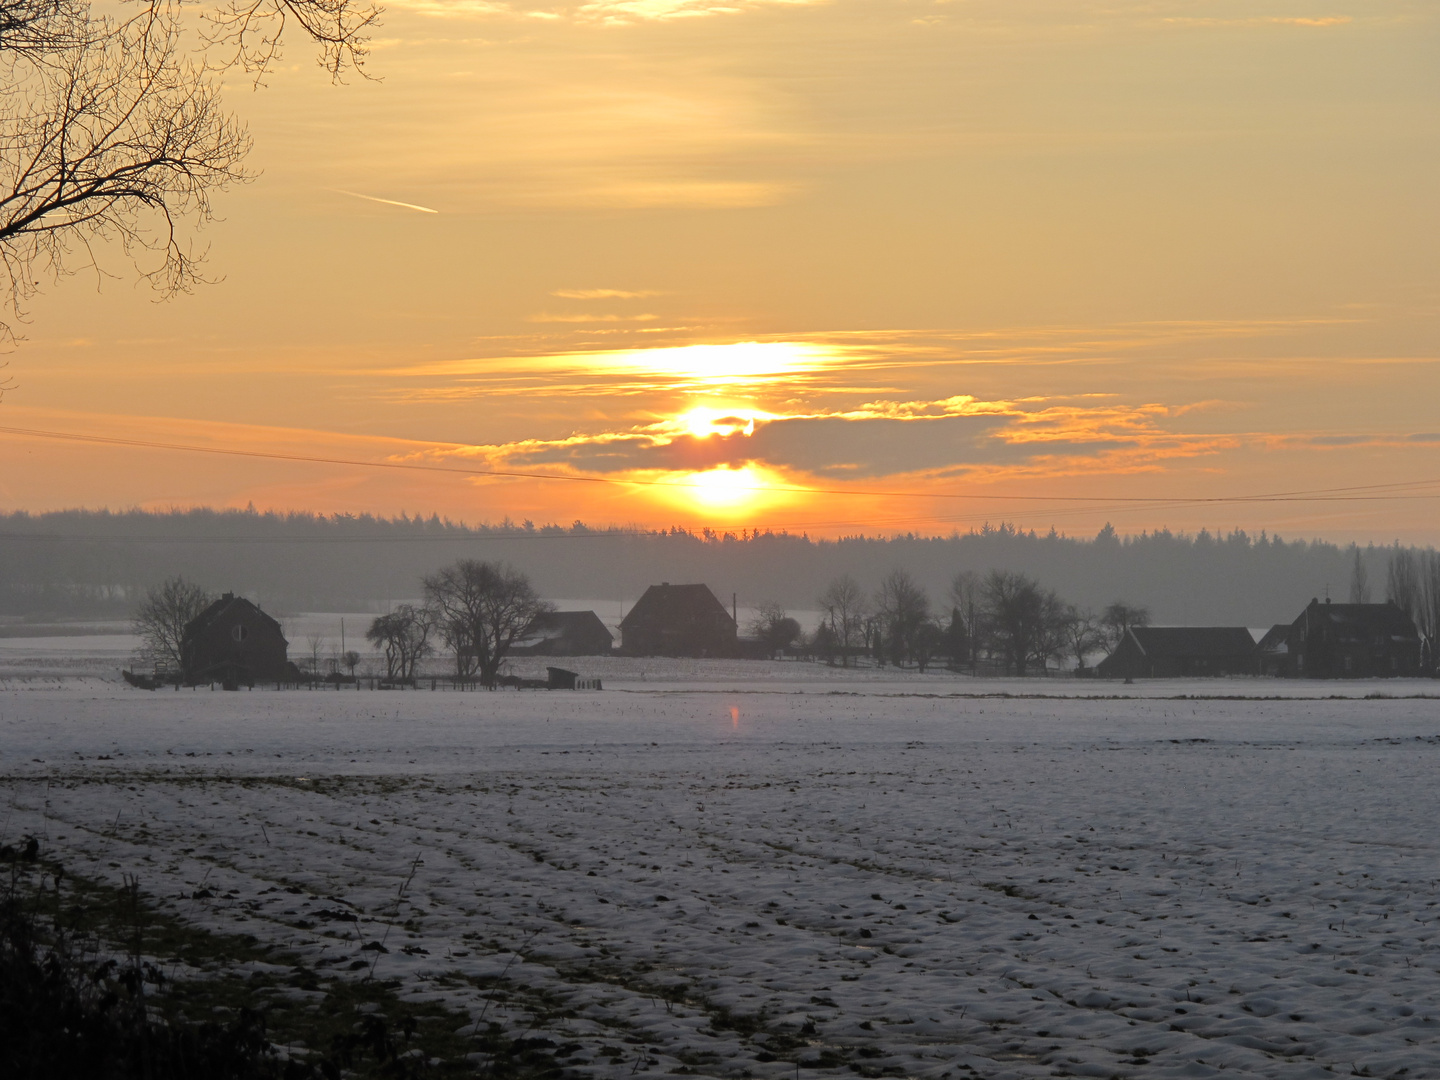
<point>92,564</point>
<point>1009,624</point>
<point>1003,623</point>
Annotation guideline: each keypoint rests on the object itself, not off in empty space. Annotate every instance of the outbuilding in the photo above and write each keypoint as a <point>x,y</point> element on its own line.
<point>1158,652</point>
<point>564,633</point>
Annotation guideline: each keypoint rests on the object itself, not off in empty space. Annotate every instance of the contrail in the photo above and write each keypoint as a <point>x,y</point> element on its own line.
<point>387,202</point>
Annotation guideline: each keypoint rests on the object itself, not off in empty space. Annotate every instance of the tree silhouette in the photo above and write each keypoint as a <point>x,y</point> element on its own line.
<point>1025,624</point>
<point>161,618</point>
<point>482,608</point>
<point>1083,634</point>
<point>1119,617</point>
<point>843,603</point>
<point>903,608</point>
<point>774,627</point>
<point>404,637</point>
<point>113,136</point>
<point>1359,578</point>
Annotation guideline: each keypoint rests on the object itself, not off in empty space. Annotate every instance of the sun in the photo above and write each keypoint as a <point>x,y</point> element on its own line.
<point>746,489</point>
<point>703,421</point>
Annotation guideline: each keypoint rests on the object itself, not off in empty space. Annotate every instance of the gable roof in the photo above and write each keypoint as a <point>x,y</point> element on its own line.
<point>557,624</point>
<point>1193,641</point>
<point>563,624</point>
<point>229,605</point>
<point>1355,621</point>
<point>668,604</point>
<point>1276,639</point>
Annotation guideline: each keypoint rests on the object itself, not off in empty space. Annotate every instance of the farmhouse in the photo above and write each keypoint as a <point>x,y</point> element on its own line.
<point>678,620</point>
<point>232,642</point>
<point>1352,641</point>
<point>564,633</point>
<point>1157,652</point>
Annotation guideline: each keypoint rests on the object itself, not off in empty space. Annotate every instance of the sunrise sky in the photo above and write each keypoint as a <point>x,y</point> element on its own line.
<point>864,265</point>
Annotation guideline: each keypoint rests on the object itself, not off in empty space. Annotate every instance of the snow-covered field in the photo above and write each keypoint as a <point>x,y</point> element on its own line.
<point>774,870</point>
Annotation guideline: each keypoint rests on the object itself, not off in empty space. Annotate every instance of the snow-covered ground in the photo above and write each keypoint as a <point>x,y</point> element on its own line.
<point>729,869</point>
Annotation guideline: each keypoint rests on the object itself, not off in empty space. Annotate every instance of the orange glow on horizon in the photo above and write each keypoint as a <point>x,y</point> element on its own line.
<point>748,489</point>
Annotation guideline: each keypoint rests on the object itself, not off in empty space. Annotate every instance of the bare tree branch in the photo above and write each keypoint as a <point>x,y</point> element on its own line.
<point>252,31</point>
<point>115,139</point>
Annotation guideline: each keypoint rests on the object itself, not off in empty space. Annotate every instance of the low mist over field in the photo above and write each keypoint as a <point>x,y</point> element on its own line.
<point>97,564</point>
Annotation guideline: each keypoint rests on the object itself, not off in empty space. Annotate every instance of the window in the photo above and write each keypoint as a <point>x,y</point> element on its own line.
<point>239,633</point>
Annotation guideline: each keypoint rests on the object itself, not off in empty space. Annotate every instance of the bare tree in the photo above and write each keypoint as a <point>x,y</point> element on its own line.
<point>113,137</point>
<point>37,27</point>
<point>1429,605</point>
<point>843,602</point>
<point>351,659</point>
<point>161,618</point>
<point>253,31</point>
<point>1083,634</point>
<point>404,637</point>
<point>1025,623</point>
<point>926,643</point>
<point>775,628</point>
<point>1402,580</point>
<point>903,609</point>
<point>1053,640</point>
<point>1119,618</point>
<point>314,646</point>
<point>1359,578</point>
<point>482,608</point>
<point>823,643</point>
<point>966,595</point>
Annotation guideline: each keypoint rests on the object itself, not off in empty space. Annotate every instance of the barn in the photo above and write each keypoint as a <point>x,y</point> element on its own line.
<point>564,633</point>
<point>678,620</point>
<point>233,642</point>
<point>1158,652</point>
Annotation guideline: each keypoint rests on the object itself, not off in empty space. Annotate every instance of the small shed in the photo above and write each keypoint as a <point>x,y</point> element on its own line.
<point>560,679</point>
<point>678,620</point>
<point>564,633</point>
<point>1157,652</point>
<point>234,642</point>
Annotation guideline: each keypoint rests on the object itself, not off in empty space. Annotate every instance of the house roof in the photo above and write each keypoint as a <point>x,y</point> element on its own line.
<point>1364,620</point>
<point>1276,639</point>
<point>674,603</point>
<point>228,605</point>
<point>1193,641</point>
<point>558,624</point>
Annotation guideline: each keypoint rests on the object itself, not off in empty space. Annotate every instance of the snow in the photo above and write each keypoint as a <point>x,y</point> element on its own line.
<point>1165,879</point>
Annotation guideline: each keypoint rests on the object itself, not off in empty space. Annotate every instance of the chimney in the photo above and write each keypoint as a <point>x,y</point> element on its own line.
<point>734,610</point>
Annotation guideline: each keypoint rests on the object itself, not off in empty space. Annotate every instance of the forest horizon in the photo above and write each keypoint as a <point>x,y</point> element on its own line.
<point>94,564</point>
